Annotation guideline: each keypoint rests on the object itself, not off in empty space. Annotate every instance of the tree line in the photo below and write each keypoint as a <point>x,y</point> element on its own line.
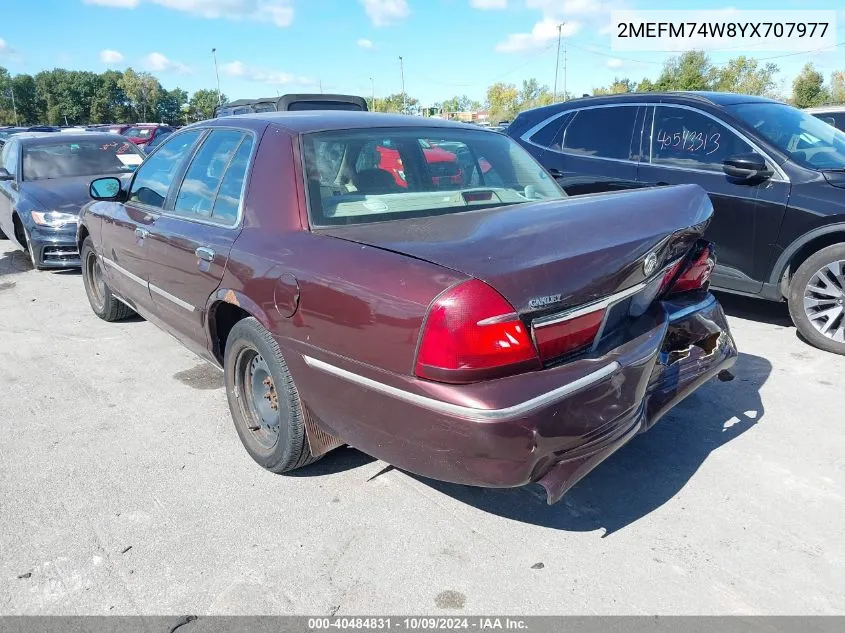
<point>75,97</point>
<point>71,97</point>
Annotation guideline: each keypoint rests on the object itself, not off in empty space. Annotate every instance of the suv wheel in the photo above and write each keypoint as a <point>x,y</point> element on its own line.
<point>817,299</point>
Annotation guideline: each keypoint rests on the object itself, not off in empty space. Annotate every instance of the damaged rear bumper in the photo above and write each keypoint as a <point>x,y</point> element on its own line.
<point>549,427</point>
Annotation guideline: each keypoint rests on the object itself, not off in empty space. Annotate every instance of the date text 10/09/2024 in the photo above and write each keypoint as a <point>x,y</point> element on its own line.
<point>417,624</point>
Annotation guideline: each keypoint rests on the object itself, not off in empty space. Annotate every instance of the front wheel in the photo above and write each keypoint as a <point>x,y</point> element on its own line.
<point>817,299</point>
<point>104,304</point>
<point>263,399</point>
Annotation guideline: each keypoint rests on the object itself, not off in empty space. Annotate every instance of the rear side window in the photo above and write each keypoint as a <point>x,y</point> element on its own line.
<point>685,138</point>
<point>551,134</point>
<point>154,177</point>
<point>198,191</point>
<point>601,132</point>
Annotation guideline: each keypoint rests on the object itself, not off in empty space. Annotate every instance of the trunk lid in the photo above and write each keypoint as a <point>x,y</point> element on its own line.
<point>543,257</point>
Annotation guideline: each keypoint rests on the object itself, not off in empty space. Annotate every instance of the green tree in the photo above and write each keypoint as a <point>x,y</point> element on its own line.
<point>110,103</point>
<point>203,103</point>
<point>619,86</point>
<point>503,101</point>
<point>690,71</point>
<point>808,88</point>
<point>26,99</point>
<point>396,103</point>
<point>646,85</point>
<point>142,90</point>
<point>744,75</point>
<point>170,106</point>
<point>837,87</point>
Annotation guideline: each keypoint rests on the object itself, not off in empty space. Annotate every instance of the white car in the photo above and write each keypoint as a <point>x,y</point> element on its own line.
<point>831,114</point>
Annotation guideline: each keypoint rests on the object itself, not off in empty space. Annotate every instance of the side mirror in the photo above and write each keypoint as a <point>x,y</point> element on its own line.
<point>105,189</point>
<point>5,175</point>
<point>750,166</point>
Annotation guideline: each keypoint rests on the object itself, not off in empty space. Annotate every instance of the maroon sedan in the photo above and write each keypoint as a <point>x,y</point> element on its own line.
<point>490,332</point>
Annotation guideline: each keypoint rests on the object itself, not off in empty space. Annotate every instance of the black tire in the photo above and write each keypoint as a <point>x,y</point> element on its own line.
<point>104,304</point>
<point>798,287</point>
<point>253,354</point>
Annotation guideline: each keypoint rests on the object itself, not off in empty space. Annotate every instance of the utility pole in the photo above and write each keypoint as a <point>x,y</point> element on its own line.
<point>404,96</point>
<point>321,86</point>
<point>217,74</point>
<point>557,63</point>
<point>14,107</point>
<point>373,85</point>
<point>565,95</point>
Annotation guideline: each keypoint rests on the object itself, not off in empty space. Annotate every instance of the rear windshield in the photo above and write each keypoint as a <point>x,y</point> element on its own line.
<point>79,158</point>
<point>371,175</point>
<point>138,132</point>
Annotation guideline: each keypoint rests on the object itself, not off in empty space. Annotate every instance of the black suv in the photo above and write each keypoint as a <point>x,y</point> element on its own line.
<point>775,174</point>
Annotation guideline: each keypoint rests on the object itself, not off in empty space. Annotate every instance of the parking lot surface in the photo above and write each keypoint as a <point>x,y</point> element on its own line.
<point>124,490</point>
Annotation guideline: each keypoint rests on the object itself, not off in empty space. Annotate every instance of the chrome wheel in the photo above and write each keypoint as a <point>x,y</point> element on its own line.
<point>824,301</point>
<point>258,398</point>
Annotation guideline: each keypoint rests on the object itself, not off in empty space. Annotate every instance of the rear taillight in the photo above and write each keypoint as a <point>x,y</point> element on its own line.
<point>559,339</point>
<point>692,274</point>
<point>473,333</point>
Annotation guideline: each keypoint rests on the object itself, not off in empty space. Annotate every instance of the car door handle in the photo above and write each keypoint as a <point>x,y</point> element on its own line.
<point>205,254</point>
<point>141,233</point>
<point>555,173</point>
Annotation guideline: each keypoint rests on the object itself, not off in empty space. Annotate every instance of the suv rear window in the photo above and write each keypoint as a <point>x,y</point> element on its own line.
<point>370,175</point>
<point>323,105</point>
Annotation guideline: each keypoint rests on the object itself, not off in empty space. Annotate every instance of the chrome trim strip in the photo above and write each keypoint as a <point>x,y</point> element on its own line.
<point>469,413</point>
<point>163,293</point>
<point>182,304</point>
<point>554,319</point>
<point>123,271</point>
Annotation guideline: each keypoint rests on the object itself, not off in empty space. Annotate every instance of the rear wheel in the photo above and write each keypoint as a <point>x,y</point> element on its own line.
<point>104,304</point>
<point>263,399</point>
<point>817,299</point>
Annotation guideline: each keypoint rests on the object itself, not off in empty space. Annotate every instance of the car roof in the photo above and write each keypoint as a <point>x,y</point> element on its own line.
<point>45,138</point>
<point>304,121</point>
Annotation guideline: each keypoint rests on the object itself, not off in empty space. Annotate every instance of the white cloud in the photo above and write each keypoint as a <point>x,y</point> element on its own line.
<point>157,62</point>
<point>122,4</point>
<point>278,12</point>
<point>365,43</point>
<point>5,49</point>
<point>386,12</point>
<point>488,4</point>
<point>263,75</point>
<point>108,56</point>
<point>542,34</point>
<point>615,62</point>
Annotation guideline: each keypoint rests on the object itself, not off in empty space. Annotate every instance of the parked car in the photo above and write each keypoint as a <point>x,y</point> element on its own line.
<point>44,182</point>
<point>832,115</point>
<point>143,133</point>
<point>157,140</point>
<point>775,174</point>
<point>292,102</point>
<point>495,335</point>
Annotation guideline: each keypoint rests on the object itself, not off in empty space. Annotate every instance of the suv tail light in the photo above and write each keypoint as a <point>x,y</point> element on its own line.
<point>473,333</point>
<point>691,274</point>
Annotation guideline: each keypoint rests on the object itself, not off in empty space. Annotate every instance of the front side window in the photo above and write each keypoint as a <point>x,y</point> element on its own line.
<point>229,193</point>
<point>601,132</point>
<point>154,177</point>
<point>807,140</point>
<point>369,175</point>
<point>686,138</point>
<point>83,157</point>
<point>199,188</point>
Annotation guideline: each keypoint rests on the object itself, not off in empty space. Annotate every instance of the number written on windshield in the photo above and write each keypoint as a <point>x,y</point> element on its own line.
<point>689,141</point>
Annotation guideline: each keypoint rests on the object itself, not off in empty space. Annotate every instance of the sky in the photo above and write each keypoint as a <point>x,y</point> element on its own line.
<point>269,47</point>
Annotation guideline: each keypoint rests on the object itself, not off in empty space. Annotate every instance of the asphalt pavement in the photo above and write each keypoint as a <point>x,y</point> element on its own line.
<point>124,490</point>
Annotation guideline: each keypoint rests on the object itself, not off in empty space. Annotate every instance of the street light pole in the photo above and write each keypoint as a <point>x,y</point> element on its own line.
<point>557,63</point>
<point>373,85</point>
<point>14,107</point>
<point>404,96</point>
<point>217,74</point>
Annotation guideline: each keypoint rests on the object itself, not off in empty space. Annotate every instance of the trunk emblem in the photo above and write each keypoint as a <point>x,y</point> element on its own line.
<point>650,264</point>
<point>539,302</point>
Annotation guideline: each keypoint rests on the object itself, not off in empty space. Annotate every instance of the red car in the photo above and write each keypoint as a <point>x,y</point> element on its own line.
<point>496,333</point>
<point>143,133</point>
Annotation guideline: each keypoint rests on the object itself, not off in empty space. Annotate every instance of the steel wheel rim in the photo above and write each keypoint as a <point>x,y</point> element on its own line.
<point>824,301</point>
<point>96,283</point>
<point>258,397</point>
